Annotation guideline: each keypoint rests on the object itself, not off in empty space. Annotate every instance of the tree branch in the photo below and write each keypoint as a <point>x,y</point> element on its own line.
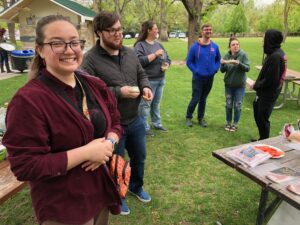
<point>187,7</point>
<point>125,2</point>
<point>296,2</point>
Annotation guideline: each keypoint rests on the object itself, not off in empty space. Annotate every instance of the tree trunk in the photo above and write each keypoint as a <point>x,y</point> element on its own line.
<point>285,19</point>
<point>194,9</point>
<point>117,8</point>
<point>163,31</point>
<point>11,33</point>
<point>10,26</point>
<point>193,30</point>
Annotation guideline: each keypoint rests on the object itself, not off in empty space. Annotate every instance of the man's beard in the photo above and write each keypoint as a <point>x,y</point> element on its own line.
<point>207,36</point>
<point>112,45</point>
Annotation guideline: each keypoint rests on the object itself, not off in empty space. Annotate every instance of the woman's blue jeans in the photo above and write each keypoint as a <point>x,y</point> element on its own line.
<point>134,141</point>
<point>152,107</point>
<point>234,101</point>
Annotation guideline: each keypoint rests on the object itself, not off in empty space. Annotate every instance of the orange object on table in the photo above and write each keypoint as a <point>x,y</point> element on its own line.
<point>274,152</point>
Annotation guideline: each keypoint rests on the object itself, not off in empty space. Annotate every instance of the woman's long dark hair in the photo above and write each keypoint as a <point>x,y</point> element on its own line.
<point>147,25</point>
<point>38,63</point>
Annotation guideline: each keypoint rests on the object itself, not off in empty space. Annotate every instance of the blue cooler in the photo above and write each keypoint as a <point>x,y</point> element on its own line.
<point>20,59</point>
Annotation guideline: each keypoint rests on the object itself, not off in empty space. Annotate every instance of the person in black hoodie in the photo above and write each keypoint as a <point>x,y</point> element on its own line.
<point>269,82</point>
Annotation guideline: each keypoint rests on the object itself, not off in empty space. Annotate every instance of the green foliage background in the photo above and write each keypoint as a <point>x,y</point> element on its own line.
<point>187,185</point>
<point>246,17</point>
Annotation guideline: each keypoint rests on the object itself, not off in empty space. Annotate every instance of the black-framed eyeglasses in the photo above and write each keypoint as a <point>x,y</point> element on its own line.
<point>113,31</point>
<point>59,47</point>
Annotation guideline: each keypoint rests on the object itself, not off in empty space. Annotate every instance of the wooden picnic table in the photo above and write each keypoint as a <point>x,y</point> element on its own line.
<point>293,77</point>
<point>9,185</point>
<point>258,175</point>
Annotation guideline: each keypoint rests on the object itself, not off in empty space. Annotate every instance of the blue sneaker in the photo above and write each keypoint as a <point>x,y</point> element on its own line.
<point>142,196</point>
<point>124,209</point>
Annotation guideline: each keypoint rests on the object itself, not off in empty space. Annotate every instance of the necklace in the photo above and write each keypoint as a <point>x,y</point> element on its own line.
<point>85,109</point>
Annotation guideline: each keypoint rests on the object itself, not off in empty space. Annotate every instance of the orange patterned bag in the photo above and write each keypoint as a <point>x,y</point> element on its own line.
<point>120,171</point>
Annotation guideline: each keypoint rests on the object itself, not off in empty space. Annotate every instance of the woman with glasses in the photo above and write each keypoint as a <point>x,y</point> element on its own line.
<point>235,64</point>
<point>61,130</point>
<point>155,61</point>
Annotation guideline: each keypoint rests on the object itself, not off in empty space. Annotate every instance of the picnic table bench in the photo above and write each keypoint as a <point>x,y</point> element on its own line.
<point>9,185</point>
<point>293,77</point>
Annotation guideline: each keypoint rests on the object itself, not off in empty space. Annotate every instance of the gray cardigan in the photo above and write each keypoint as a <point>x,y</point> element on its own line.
<point>129,71</point>
<point>142,50</point>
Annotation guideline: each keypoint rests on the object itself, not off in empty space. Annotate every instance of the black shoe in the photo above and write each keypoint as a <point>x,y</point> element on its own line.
<point>188,123</point>
<point>161,128</point>
<point>202,123</point>
<point>149,133</point>
<point>254,140</point>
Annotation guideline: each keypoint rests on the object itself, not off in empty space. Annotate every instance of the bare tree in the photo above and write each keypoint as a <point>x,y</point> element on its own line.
<point>152,9</point>
<point>195,9</point>
<point>97,5</point>
<point>120,6</point>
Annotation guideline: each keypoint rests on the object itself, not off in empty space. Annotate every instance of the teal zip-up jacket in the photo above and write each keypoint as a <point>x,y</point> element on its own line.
<point>235,75</point>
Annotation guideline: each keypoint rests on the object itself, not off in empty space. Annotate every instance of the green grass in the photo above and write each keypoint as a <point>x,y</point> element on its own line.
<point>188,186</point>
<point>9,87</point>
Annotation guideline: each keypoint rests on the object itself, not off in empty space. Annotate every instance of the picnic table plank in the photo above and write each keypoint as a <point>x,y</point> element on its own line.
<point>9,185</point>
<point>293,77</point>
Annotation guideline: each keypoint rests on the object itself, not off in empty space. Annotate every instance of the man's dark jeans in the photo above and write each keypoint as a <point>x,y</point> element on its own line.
<point>134,140</point>
<point>201,88</point>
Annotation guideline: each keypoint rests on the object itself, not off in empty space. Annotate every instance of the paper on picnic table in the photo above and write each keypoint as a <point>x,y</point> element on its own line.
<point>248,155</point>
<point>293,145</point>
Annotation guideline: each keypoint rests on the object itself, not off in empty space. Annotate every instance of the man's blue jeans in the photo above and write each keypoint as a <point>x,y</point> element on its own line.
<point>134,140</point>
<point>201,88</point>
<point>153,106</point>
<point>234,101</point>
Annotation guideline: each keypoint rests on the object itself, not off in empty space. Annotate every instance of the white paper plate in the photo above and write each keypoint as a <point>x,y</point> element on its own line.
<point>7,47</point>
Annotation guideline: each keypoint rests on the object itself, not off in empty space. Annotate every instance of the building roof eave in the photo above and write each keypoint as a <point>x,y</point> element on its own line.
<point>11,12</point>
<point>69,8</point>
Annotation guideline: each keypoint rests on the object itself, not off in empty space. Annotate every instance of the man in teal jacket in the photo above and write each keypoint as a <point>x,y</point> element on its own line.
<point>204,61</point>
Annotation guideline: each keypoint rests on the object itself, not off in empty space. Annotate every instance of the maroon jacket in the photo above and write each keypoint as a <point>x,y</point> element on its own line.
<point>41,127</point>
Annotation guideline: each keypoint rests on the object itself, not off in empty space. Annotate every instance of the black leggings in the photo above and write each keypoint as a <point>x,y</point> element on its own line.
<point>262,109</point>
<point>4,57</point>
<point>4,60</point>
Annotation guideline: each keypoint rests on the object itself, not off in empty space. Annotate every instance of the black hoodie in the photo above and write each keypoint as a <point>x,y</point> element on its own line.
<point>270,79</point>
